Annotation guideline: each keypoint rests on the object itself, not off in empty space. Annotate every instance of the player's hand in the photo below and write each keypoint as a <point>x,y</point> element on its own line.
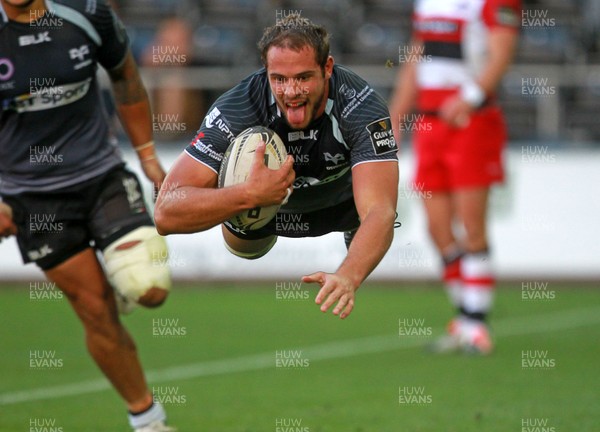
<point>153,172</point>
<point>7,225</point>
<point>268,186</point>
<point>456,112</point>
<point>334,288</point>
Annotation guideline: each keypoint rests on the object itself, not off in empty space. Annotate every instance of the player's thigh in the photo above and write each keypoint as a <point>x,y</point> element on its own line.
<point>135,255</point>
<point>248,248</point>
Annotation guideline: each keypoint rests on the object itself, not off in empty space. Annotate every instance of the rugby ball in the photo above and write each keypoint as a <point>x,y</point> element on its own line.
<point>236,166</point>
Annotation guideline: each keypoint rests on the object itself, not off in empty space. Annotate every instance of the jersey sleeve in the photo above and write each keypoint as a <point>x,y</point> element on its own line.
<point>232,113</point>
<point>502,13</point>
<point>366,126</point>
<point>113,36</point>
<point>212,140</point>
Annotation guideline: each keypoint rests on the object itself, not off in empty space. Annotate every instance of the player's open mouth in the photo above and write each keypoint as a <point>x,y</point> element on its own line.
<point>296,112</point>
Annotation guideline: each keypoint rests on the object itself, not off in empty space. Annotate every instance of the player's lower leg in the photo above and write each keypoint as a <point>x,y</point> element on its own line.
<point>82,279</point>
<point>453,284</point>
<point>476,269</point>
<point>477,300</point>
<point>151,419</point>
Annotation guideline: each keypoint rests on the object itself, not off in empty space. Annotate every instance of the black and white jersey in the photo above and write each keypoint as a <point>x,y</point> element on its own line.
<point>354,129</point>
<point>53,130</point>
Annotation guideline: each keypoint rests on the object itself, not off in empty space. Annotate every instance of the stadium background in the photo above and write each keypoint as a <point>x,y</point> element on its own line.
<point>543,219</point>
<point>218,357</point>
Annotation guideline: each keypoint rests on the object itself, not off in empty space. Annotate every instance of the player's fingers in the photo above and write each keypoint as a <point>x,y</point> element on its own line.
<point>259,154</point>
<point>7,229</point>
<point>288,164</point>
<point>341,304</point>
<point>332,295</point>
<point>287,195</point>
<point>318,277</point>
<point>348,309</point>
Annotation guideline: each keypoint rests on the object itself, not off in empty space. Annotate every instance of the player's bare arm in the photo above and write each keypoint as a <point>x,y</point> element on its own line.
<point>7,226</point>
<point>375,187</point>
<point>134,111</point>
<point>190,200</point>
<point>405,91</point>
<point>502,44</point>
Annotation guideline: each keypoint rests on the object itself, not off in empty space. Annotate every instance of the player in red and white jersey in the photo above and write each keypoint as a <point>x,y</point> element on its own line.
<point>459,52</point>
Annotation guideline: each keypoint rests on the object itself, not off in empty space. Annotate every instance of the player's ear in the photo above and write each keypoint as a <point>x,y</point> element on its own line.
<point>329,67</point>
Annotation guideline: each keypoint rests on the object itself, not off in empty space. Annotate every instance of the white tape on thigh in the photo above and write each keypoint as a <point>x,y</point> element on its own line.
<point>134,270</point>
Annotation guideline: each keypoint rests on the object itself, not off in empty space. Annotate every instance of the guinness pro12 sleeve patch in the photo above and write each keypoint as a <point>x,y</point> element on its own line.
<point>382,136</point>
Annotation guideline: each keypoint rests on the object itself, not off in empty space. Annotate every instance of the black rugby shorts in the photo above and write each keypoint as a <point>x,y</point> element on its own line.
<point>54,226</point>
<point>341,217</point>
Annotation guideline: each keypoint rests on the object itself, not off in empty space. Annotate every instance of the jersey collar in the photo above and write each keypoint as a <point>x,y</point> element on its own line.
<point>3,17</point>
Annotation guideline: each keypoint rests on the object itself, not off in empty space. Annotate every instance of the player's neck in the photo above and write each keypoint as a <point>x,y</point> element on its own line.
<point>27,13</point>
<point>323,103</point>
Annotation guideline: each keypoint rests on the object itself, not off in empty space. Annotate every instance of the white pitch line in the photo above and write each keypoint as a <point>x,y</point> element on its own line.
<point>327,351</point>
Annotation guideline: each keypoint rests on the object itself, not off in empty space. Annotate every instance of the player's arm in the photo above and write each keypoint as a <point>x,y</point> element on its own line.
<point>133,107</point>
<point>405,92</point>
<point>7,225</point>
<point>502,43</point>
<point>189,200</point>
<point>375,187</point>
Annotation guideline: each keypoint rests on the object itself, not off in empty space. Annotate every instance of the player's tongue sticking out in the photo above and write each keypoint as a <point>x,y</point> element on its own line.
<point>296,112</point>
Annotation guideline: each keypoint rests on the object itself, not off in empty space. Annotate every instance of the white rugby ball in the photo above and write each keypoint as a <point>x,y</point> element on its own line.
<point>236,166</point>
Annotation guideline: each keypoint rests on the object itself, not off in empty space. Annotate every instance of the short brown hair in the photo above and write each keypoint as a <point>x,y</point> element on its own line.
<point>295,32</point>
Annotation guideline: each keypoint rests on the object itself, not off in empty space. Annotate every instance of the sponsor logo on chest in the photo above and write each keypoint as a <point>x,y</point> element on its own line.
<point>34,39</point>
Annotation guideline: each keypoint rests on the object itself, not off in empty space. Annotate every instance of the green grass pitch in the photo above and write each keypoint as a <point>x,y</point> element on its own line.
<point>242,358</point>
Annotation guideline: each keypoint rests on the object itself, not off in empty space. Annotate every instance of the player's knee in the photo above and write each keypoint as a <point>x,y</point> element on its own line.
<point>250,249</point>
<point>137,266</point>
<point>154,297</point>
<point>475,237</point>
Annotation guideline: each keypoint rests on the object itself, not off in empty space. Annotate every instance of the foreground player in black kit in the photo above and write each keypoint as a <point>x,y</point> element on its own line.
<point>57,163</point>
<point>342,160</point>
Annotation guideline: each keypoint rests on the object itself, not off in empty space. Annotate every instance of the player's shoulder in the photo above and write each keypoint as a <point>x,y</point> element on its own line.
<point>502,13</point>
<point>345,79</point>
<point>89,8</point>
<point>352,94</point>
<point>248,101</point>
<point>95,17</point>
<point>252,87</point>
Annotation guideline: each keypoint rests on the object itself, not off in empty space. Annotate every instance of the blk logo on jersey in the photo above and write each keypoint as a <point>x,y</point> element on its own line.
<point>303,135</point>
<point>40,253</point>
<point>34,39</point>
<point>382,136</point>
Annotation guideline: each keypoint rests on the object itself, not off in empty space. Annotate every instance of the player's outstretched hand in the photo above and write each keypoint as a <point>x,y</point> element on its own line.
<point>7,226</point>
<point>334,288</point>
<point>268,186</point>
